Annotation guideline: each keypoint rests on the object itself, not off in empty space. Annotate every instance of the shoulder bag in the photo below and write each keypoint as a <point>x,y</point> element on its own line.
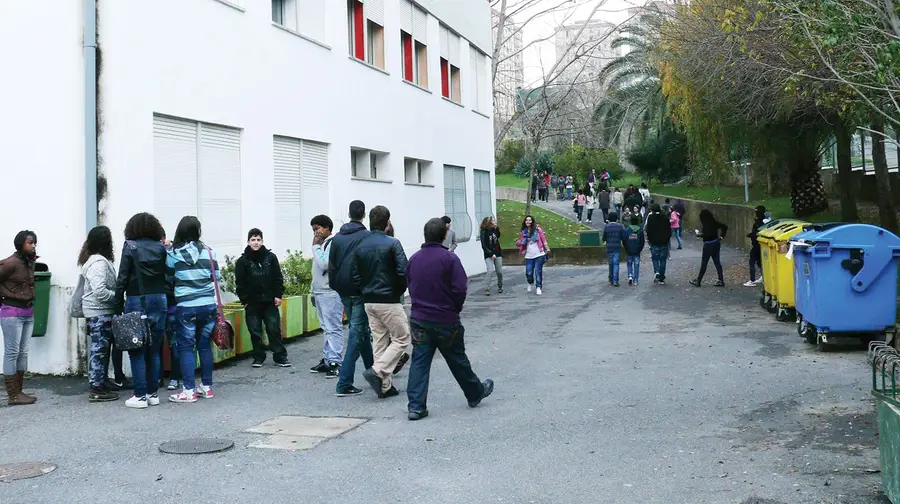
<point>223,332</point>
<point>131,330</point>
<point>75,304</point>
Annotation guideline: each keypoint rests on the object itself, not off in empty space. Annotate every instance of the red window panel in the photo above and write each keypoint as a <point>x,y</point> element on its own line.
<point>406,39</point>
<point>445,78</point>
<point>359,38</point>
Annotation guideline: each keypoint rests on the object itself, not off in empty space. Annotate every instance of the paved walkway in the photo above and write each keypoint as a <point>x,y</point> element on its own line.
<point>656,394</point>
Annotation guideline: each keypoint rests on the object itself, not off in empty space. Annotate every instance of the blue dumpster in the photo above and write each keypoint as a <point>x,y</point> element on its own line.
<point>845,278</point>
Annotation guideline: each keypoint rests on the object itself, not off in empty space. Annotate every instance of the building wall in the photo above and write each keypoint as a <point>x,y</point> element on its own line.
<point>42,153</point>
<point>227,64</point>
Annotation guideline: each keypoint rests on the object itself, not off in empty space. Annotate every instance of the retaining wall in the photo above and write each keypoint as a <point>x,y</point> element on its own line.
<point>738,218</point>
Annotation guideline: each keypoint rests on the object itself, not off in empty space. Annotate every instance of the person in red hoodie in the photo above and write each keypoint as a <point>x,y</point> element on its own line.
<point>437,286</point>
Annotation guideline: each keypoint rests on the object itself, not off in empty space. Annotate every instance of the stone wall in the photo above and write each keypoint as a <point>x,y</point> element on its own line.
<point>511,193</point>
<point>738,218</point>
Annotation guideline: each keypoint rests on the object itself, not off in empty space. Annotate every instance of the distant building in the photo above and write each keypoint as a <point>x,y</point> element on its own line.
<point>510,69</point>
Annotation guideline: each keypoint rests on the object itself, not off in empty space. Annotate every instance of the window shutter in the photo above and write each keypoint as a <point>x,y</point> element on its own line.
<point>374,10</point>
<point>473,62</point>
<point>174,170</point>
<point>454,50</point>
<point>220,187</point>
<point>445,43</point>
<point>406,16</point>
<point>288,212</point>
<point>311,18</point>
<point>482,82</point>
<point>420,25</point>
<point>314,183</point>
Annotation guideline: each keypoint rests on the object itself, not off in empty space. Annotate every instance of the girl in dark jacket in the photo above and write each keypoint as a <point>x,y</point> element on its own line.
<point>17,314</point>
<point>493,255</point>
<point>712,233</point>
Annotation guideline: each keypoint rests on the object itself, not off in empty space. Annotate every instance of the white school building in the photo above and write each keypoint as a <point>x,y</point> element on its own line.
<point>246,113</point>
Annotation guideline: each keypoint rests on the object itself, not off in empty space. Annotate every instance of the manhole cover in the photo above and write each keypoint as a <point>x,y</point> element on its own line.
<point>24,470</point>
<point>196,446</point>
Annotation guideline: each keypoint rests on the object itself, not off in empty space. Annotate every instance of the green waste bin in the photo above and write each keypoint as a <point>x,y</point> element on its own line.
<point>41,300</point>
<point>589,238</point>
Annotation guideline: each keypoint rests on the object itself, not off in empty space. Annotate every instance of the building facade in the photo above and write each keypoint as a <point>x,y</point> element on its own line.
<point>246,113</point>
<point>510,68</point>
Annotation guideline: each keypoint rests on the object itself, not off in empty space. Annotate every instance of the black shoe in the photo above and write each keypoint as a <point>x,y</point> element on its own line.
<point>257,362</point>
<point>662,282</point>
<point>100,394</point>
<point>417,415</point>
<point>350,391</point>
<point>402,362</point>
<point>616,284</point>
<point>321,367</point>
<point>719,284</point>
<point>488,389</point>
<point>392,392</point>
<point>112,385</point>
<point>334,370</point>
<point>695,283</point>
<point>283,362</point>
<point>373,379</point>
<point>499,291</point>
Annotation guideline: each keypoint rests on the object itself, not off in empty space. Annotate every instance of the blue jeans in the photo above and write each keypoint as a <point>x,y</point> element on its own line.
<point>676,232</point>
<point>634,266</point>
<point>619,211</point>
<point>614,258</point>
<point>145,362</point>
<point>359,343</point>
<point>16,336</point>
<point>534,271</point>
<point>172,339</point>
<point>579,210</point>
<point>330,310</point>
<point>428,338</point>
<point>568,193</point>
<point>195,326</point>
<point>659,254</point>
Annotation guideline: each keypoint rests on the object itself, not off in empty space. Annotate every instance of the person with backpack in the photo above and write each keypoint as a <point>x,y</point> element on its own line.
<point>260,287</point>
<point>327,302</point>
<point>658,235</point>
<point>712,232</point>
<point>634,245</point>
<point>613,235</point>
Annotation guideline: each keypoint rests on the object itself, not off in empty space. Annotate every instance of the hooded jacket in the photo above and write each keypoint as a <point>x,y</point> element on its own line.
<point>340,253</point>
<point>144,256</point>
<point>658,229</point>
<point>603,200</point>
<point>634,240</point>
<point>320,267</point>
<point>490,242</point>
<point>190,270</point>
<point>258,277</point>
<point>17,280</point>
<point>99,296</point>
<point>758,223</point>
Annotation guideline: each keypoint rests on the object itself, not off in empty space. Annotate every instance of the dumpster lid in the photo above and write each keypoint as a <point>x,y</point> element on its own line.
<point>771,232</point>
<point>785,231</point>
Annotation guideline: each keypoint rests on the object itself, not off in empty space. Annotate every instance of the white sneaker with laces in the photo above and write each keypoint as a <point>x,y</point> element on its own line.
<point>173,385</point>
<point>538,292</point>
<point>529,287</point>
<point>758,281</point>
<point>751,283</point>
<point>137,402</point>
<point>185,396</point>
<point>153,399</point>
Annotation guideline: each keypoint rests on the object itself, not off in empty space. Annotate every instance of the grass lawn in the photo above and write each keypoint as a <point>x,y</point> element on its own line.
<point>560,231</point>
<point>510,180</point>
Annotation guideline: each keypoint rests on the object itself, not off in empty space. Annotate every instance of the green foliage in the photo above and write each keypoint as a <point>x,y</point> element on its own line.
<point>578,161</point>
<point>509,154</point>
<point>544,164</point>
<point>664,157</point>
<point>296,269</point>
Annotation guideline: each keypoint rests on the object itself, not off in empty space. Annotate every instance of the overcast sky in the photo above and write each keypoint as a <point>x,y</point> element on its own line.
<point>544,54</point>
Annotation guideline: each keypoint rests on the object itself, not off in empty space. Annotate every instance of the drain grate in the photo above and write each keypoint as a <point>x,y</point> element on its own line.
<point>24,470</point>
<point>196,446</point>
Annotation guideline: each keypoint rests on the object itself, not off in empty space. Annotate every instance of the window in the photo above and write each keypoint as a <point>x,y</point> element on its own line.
<point>302,16</point>
<point>479,77</point>
<point>301,189</point>
<point>368,164</point>
<point>483,206</point>
<point>365,23</point>
<point>414,43</point>
<point>196,166</point>
<point>451,79</point>
<point>417,172</point>
<point>455,205</point>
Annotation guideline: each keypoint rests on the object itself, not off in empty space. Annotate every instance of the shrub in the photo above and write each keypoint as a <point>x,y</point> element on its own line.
<point>544,164</point>
<point>579,161</point>
<point>296,269</point>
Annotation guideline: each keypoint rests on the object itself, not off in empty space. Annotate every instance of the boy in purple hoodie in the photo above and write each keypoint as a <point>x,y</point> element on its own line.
<point>437,287</point>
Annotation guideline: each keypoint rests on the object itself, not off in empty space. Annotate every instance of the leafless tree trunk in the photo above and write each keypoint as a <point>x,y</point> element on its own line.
<point>844,163</point>
<point>886,211</point>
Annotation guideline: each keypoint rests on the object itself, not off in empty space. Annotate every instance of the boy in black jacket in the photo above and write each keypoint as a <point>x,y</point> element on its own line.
<point>658,234</point>
<point>634,245</point>
<point>260,287</point>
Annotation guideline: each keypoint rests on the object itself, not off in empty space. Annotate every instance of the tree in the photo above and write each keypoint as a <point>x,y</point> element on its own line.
<point>509,154</point>
<point>579,161</point>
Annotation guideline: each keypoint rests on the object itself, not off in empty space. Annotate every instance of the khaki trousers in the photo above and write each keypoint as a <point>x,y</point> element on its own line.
<point>390,338</point>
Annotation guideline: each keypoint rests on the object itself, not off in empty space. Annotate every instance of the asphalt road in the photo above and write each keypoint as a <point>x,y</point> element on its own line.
<point>655,394</point>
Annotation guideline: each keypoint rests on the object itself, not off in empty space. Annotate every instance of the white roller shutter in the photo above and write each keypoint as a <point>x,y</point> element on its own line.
<point>455,50</point>
<point>482,83</point>
<point>406,16</point>
<point>311,18</point>
<point>445,42</point>
<point>420,25</point>
<point>174,170</point>
<point>473,62</point>
<point>314,179</point>
<point>288,211</point>
<point>374,10</point>
<point>219,202</point>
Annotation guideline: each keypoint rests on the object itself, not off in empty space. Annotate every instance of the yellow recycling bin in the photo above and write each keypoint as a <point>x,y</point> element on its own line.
<point>783,274</point>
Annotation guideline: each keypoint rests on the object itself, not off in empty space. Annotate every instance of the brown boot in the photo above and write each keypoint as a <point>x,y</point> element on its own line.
<point>12,390</point>
<point>22,395</point>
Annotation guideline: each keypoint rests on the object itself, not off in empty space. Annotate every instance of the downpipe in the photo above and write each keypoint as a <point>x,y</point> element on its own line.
<point>90,113</point>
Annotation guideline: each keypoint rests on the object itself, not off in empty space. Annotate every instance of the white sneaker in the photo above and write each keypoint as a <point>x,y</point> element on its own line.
<point>153,399</point>
<point>204,391</point>
<point>529,287</point>
<point>137,402</point>
<point>185,396</point>
<point>538,292</point>
<point>173,385</point>
<point>758,281</point>
<point>751,283</point>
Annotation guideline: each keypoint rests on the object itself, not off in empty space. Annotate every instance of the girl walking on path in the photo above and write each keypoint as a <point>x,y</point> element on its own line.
<point>675,225</point>
<point>590,202</point>
<point>493,254</point>
<point>580,200</point>
<point>98,304</point>
<point>17,314</point>
<point>533,244</point>
<point>712,232</point>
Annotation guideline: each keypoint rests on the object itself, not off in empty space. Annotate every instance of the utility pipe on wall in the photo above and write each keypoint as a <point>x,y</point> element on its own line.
<point>90,113</point>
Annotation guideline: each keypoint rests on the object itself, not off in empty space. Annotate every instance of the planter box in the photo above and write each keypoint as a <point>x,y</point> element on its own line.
<point>293,316</point>
<point>888,409</point>
<point>312,322</point>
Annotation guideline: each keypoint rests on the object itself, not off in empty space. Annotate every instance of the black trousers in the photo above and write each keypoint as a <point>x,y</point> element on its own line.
<point>711,251</point>
<point>265,313</point>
